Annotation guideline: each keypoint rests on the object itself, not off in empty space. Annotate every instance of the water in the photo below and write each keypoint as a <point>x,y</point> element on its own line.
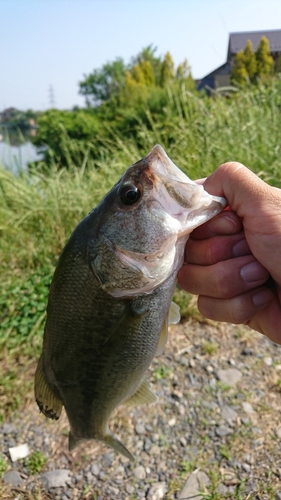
<point>16,157</point>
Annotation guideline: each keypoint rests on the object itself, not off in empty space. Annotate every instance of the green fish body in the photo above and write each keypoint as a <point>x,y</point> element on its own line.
<point>109,302</point>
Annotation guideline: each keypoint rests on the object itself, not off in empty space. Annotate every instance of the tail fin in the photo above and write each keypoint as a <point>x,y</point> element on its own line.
<point>112,441</point>
<point>109,439</point>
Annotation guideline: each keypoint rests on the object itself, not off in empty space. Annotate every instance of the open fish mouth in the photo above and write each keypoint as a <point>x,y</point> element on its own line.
<point>183,200</point>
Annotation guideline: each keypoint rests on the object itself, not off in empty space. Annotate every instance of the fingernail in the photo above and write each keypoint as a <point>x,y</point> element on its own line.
<point>254,272</point>
<point>223,225</point>
<point>263,297</point>
<point>241,248</point>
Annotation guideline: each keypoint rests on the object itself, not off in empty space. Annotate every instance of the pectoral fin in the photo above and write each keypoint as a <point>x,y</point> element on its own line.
<point>48,402</point>
<point>143,395</point>
<point>172,318</point>
<point>174,314</point>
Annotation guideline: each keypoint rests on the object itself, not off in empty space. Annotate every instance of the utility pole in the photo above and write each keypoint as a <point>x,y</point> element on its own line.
<point>52,101</point>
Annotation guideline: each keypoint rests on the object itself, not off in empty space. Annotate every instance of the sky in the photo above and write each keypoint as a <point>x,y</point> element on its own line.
<point>48,46</point>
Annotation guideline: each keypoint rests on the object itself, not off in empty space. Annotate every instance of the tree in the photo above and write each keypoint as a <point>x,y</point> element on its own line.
<point>250,66</point>
<point>141,75</point>
<point>105,83</point>
<point>250,61</point>
<point>239,73</point>
<point>167,70</point>
<point>265,61</point>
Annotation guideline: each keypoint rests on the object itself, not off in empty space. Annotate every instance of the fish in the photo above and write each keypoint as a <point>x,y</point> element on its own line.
<point>110,300</point>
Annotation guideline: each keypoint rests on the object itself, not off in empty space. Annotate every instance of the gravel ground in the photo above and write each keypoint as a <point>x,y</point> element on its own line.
<point>213,434</point>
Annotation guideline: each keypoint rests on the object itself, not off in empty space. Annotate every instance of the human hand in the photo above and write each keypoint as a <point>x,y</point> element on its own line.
<point>233,262</point>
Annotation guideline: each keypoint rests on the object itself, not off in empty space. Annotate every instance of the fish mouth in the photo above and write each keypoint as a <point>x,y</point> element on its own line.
<point>181,199</point>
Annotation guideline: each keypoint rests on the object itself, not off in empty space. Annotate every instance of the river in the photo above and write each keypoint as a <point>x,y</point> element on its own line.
<point>16,157</point>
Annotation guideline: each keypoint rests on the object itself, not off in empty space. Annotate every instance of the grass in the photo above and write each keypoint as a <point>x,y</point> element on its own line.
<point>36,462</point>
<point>39,209</point>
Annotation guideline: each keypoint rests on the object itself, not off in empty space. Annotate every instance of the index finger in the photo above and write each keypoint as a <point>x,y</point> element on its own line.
<point>225,223</point>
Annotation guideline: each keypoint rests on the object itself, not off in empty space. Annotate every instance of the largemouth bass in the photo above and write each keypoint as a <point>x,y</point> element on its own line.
<point>110,301</point>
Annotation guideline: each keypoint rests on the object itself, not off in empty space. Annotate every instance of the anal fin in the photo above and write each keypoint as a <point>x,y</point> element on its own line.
<point>47,401</point>
<point>143,395</point>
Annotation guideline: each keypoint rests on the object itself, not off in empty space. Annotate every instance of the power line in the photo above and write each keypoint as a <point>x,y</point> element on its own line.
<point>52,101</point>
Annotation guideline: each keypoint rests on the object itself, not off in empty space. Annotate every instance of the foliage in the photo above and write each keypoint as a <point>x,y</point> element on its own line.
<point>22,307</point>
<point>105,83</point>
<point>249,66</point>
<point>119,97</point>
<point>264,59</point>
<point>36,462</point>
<point>3,464</point>
<point>38,211</point>
<point>56,127</point>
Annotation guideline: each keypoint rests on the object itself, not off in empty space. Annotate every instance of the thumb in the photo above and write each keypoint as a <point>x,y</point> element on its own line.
<point>243,189</point>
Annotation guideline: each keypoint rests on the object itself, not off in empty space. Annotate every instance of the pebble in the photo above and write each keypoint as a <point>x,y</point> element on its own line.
<point>183,441</point>
<point>140,428</point>
<point>55,478</point>
<point>222,489</point>
<point>108,459</point>
<point>247,352</point>
<point>228,413</point>
<point>230,376</point>
<point>113,490</point>
<point>8,429</point>
<point>246,467</point>
<point>278,495</point>
<point>247,407</point>
<point>222,431</point>
<point>154,450</point>
<point>139,472</point>
<point>129,489</point>
<point>157,491</point>
<point>193,485</point>
<point>147,444</point>
<point>172,422</point>
<point>267,361</point>
<point>13,478</point>
<point>95,470</point>
<point>278,432</point>
<point>181,410</point>
<point>119,471</point>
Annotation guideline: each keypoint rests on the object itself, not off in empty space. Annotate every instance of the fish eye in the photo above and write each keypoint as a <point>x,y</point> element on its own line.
<point>129,194</point>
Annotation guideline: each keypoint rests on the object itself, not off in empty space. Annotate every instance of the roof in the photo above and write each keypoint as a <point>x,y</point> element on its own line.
<point>237,41</point>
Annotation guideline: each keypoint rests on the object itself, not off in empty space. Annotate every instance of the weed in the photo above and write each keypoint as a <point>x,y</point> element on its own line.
<point>209,348</point>
<point>36,462</point>
<point>161,372</point>
<point>186,467</point>
<point>225,452</point>
<point>3,465</point>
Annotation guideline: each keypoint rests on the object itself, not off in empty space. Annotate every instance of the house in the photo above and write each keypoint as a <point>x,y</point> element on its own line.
<point>8,114</point>
<point>220,77</point>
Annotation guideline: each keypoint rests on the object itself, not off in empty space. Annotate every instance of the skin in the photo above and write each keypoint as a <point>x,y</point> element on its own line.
<point>233,262</point>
